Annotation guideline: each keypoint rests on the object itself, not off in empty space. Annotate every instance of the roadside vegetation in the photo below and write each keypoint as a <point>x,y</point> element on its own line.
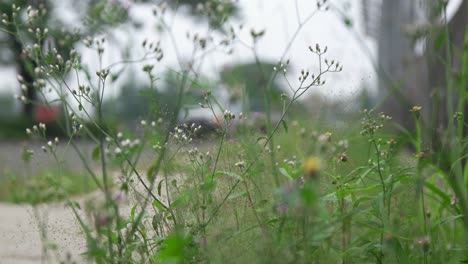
<point>269,185</point>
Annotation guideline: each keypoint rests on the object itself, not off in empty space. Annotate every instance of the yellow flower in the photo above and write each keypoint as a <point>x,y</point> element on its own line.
<point>416,109</point>
<point>312,166</point>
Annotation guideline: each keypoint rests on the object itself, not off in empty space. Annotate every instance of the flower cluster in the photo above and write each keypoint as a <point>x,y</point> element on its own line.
<point>370,124</point>
<point>240,164</point>
<point>122,145</point>
<point>291,162</point>
<point>228,115</point>
<point>37,130</point>
<point>184,133</point>
<point>152,48</point>
<point>281,67</point>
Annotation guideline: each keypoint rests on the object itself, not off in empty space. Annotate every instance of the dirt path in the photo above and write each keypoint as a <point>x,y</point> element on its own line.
<point>20,236</point>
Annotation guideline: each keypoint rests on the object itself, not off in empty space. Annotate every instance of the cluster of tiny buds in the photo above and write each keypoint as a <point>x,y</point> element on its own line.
<point>82,90</point>
<point>39,33</point>
<point>256,34</point>
<point>193,151</point>
<point>291,162</point>
<point>157,146</point>
<point>15,12</point>
<point>338,66</point>
<point>124,144</point>
<point>180,136</point>
<point>228,115</point>
<point>195,128</point>
<point>152,123</point>
<point>343,144</point>
<point>183,133</point>
<point>24,88</point>
<point>281,66</point>
<point>58,64</point>
<point>458,116</point>
<point>324,138</point>
<point>89,42</point>
<point>50,145</point>
<point>102,74</point>
<point>318,50</point>
<point>322,4</point>
<point>159,9</point>
<point>370,124</point>
<point>32,13</point>
<point>240,164</point>
<point>228,38</point>
<point>76,125</point>
<point>130,143</point>
<point>206,97</point>
<point>153,47</point>
<point>21,98</point>
<point>5,19</point>
<point>212,7</point>
<point>195,154</point>
<point>304,75</point>
<point>198,40</point>
<point>36,130</point>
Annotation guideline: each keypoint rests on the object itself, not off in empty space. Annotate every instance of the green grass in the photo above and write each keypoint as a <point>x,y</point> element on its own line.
<point>345,201</point>
<point>45,186</point>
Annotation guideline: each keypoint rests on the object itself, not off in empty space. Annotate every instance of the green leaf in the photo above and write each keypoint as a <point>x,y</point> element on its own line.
<point>96,153</point>
<point>347,21</point>
<point>448,219</point>
<point>465,174</point>
<point>207,185</point>
<point>158,205</point>
<point>435,190</point>
<point>285,173</point>
<point>236,195</point>
<point>342,193</point>
<point>51,245</point>
<point>230,174</point>
<point>27,155</point>
<point>400,253</point>
<point>273,221</point>
<point>74,204</point>
<point>151,172</point>
<point>182,199</point>
<point>360,200</point>
<point>285,126</point>
<point>160,187</point>
<point>440,40</point>
<point>132,213</point>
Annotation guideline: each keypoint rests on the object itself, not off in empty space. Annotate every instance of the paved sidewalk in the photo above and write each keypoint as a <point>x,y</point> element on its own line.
<point>20,240</point>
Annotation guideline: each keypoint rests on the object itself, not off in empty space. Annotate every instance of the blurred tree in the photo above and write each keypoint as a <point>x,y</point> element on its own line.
<point>247,82</point>
<point>396,57</point>
<point>413,60</point>
<point>21,21</point>
<point>215,11</point>
<point>135,103</point>
<point>98,16</point>
<point>430,76</point>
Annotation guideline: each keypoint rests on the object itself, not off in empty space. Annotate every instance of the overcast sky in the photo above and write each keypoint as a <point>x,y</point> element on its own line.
<point>278,17</point>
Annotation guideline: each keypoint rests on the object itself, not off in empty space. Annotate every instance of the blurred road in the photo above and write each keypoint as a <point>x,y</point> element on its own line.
<point>11,153</point>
